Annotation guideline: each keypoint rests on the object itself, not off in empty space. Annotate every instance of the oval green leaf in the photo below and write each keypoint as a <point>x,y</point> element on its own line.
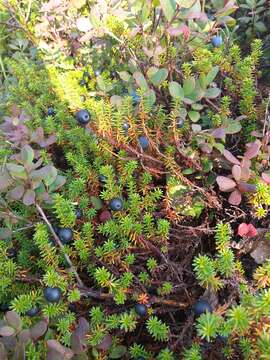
<point>176,90</point>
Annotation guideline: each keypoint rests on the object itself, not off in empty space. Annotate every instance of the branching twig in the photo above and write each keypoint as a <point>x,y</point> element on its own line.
<point>267,116</point>
<point>213,105</point>
<point>44,217</point>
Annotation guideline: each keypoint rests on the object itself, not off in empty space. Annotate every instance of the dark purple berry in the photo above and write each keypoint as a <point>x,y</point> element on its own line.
<point>201,307</point>
<point>50,111</point>
<point>125,126</point>
<point>116,204</point>
<point>206,346</point>
<point>114,74</point>
<point>83,117</point>
<point>52,295</point>
<point>65,235</point>
<point>144,142</point>
<point>83,82</point>
<point>97,72</point>
<point>180,123</point>
<point>141,310</point>
<point>135,97</point>
<point>78,213</point>
<point>72,307</point>
<point>4,307</point>
<point>217,41</point>
<point>102,179</point>
<point>11,253</point>
<point>86,74</point>
<point>32,312</point>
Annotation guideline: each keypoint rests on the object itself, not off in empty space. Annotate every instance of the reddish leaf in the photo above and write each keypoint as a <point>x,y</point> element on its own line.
<point>266,178</point>
<point>105,343</point>
<point>230,157</point>
<point>236,172</point>
<point>5,180</point>
<point>245,173</point>
<point>251,231</point>
<point>253,149</point>
<point>39,329</point>
<point>25,336</point>
<point>206,148</point>
<point>65,352</point>
<point>37,135</point>
<point>245,187</point>
<point>219,133</point>
<point>13,319</point>
<point>235,198</point>
<point>82,327</point>
<point>77,345</point>
<point>175,31</point>
<point>16,193</point>
<point>197,15</point>
<point>246,230</point>
<point>242,229</point>
<point>49,141</point>
<point>256,133</point>
<point>79,336</point>
<point>225,184</point>
<point>246,163</point>
<point>29,197</point>
<point>6,331</point>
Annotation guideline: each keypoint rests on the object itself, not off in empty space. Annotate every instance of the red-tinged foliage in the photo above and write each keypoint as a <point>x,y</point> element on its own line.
<point>247,230</point>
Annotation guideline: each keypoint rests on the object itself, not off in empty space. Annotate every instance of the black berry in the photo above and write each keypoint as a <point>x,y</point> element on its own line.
<point>102,179</point>
<point>4,307</point>
<point>78,213</point>
<point>135,97</point>
<point>116,204</point>
<point>11,253</point>
<point>141,309</point>
<point>86,74</point>
<point>50,111</point>
<point>144,142</point>
<point>97,72</point>
<point>83,117</point>
<point>65,235</point>
<point>125,126</point>
<point>206,346</point>
<point>217,41</point>
<point>52,295</point>
<point>201,307</point>
<point>180,123</point>
<point>114,74</point>
<point>83,82</point>
<point>72,307</point>
<point>32,312</point>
